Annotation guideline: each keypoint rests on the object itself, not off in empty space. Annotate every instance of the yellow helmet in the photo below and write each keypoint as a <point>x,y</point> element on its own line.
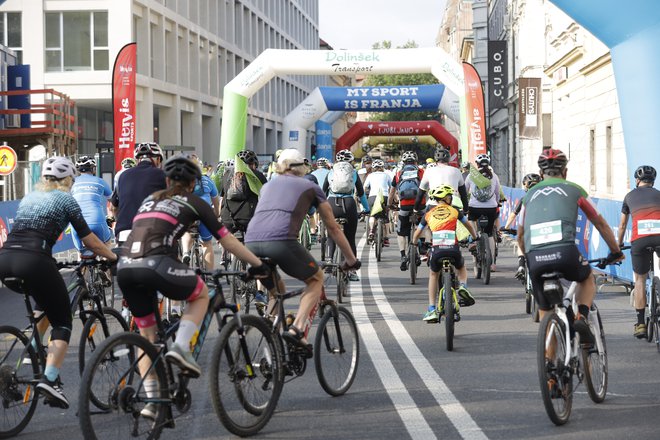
<point>440,192</point>
<point>430,160</point>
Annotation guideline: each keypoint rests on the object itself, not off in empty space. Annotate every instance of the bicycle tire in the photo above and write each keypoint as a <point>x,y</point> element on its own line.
<point>536,315</point>
<point>595,362</point>
<point>412,262</point>
<point>323,239</point>
<point>17,381</point>
<point>449,310</point>
<point>651,311</point>
<point>528,302</point>
<point>486,261</point>
<point>379,239</point>
<point>336,361</point>
<point>656,322</point>
<point>117,358</point>
<point>92,335</point>
<point>559,408</point>
<point>234,394</point>
<point>478,258</point>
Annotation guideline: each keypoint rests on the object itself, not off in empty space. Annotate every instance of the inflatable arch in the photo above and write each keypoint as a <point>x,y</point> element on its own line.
<point>273,62</point>
<point>399,128</point>
<point>632,34</point>
<point>368,99</point>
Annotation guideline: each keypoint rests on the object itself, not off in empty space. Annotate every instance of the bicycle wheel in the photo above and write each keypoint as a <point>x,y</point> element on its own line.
<point>651,310</point>
<point>323,239</point>
<point>535,310</point>
<point>336,350</point>
<point>595,360</point>
<point>528,302</point>
<point>96,331</point>
<point>341,285</point>
<point>412,261</point>
<point>478,258</point>
<point>486,261</point>
<point>448,299</point>
<point>556,381</point>
<point>655,286</point>
<point>17,381</point>
<point>246,375</point>
<point>112,372</point>
<point>379,238</point>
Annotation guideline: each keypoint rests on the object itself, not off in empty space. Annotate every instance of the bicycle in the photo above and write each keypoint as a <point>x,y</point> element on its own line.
<point>305,234</point>
<point>379,236</point>
<point>414,259</point>
<point>197,250</point>
<point>446,308</point>
<point>113,372</point>
<point>323,238</point>
<point>557,336</point>
<point>482,252</point>
<point>652,301</point>
<point>336,345</point>
<point>531,307</point>
<point>341,276</point>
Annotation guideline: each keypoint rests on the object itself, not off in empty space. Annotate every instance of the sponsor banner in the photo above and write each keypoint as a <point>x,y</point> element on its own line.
<point>497,74</point>
<point>324,140</point>
<point>588,240</point>
<point>476,123</point>
<point>123,103</point>
<point>383,99</point>
<point>529,108</point>
<point>7,215</point>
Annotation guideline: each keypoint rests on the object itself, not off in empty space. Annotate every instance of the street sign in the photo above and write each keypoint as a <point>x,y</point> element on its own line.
<point>7,160</point>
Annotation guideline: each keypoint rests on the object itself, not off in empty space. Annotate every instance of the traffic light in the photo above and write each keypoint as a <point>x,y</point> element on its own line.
<point>313,151</point>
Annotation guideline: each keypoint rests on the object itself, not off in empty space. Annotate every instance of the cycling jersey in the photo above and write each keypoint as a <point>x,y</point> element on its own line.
<point>442,175</point>
<point>643,203</point>
<point>442,221</point>
<point>40,219</point>
<point>549,213</point>
<point>159,224</point>
<point>375,181</point>
<point>205,189</point>
<point>92,194</point>
<point>321,174</point>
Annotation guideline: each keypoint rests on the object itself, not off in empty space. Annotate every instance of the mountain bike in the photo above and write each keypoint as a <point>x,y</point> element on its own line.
<point>531,307</point>
<point>560,354</point>
<point>482,253</point>
<point>379,235</point>
<point>336,355</point>
<point>196,250</point>
<point>447,300</point>
<point>127,409</point>
<point>652,301</point>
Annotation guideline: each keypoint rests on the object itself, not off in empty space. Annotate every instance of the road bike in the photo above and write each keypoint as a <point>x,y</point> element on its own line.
<point>336,355</point>
<point>128,409</point>
<point>560,354</point>
<point>482,253</point>
<point>652,301</point>
<point>23,354</point>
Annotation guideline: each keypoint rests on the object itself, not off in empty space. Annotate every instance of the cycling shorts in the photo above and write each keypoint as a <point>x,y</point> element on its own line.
<point>204,233</point>
<point>641,253</point>
<point>438,253</point>
<point>491,213</point>
<point>372,200</point>
<point>565,259</point>
<point>292,258</point>
<point>404,224</point>
<point>101,230</point>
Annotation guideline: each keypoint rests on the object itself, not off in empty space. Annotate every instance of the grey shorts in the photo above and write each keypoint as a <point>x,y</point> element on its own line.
<point>292,258</point>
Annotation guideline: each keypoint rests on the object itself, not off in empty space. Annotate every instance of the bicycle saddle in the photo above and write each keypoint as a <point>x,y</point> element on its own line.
<point>14,283</point>
<point>551,275</point>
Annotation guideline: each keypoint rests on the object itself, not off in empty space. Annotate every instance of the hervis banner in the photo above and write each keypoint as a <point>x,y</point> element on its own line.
<point>529,108</point>
<point>123,103</point>
<point>474,142</point>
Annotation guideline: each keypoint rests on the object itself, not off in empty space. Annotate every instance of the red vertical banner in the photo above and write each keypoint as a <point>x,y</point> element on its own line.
<point>123,103</point>
<point>476,116</point>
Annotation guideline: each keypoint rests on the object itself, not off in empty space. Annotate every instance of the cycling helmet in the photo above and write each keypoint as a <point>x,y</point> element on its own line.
<point>148,149</point>
<point>367,159</point>
<point>128,162</point>
<point>465,165</point>
<point>645,173</point>
<point>442,155</point>
<point>409,157</point>
<point>552,159</point>
<point>431,165</point>
<point>85,164</point>
<point>530,180</point>
<point>482,159</point>
<point>344,156</point>
<point>440,192</point>
<point>249,157</point>
<point>58,167</point>
<point>321,162</point>
<point>229,163</point>
<point>182,167</point>
<point>378,163</point>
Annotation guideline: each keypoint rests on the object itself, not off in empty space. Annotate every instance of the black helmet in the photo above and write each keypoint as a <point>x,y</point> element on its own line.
<point>530,180</point>
<point>442,155</point>
<point>645,173</point>
<point>249,157</point>
<point>552,159</point>
<point>181,167</point>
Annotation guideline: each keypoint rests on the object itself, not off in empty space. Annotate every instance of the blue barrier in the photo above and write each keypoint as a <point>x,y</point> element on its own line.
<point>7,215</point>
<point>588,240</point>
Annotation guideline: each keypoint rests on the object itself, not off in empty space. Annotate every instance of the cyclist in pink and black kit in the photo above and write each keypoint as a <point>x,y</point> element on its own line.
<point>643,203</point>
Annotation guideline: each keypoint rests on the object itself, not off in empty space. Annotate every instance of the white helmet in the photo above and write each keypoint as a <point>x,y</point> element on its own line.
<point>409,157</point>
<point>148,149</point>
<point>85,164</point>
<point>344,156</point>
<point>482,158</point>
<point>378,163</point>
<point>58,167</point>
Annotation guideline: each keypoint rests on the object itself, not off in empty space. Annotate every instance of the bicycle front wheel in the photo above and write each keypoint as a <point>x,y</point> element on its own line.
<point>486,261</point>
<point>412,261</point>
<point>448,299</point>
<point>595,360</point>
<point>379,238</point>
<point>336,350</point>
<point>111,375</point>
<point>555,379</point>
<point>17,381</point>
<point>246,375</point>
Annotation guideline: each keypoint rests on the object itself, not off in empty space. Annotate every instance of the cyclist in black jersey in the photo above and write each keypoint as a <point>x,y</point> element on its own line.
<point>41,217</point>
<point>149,260</point>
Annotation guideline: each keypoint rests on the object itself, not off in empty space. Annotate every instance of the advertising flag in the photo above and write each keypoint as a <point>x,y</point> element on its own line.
<point>123,103</point>
<point>529,108</point>
<point>497,74</point>
<point>476,122</point>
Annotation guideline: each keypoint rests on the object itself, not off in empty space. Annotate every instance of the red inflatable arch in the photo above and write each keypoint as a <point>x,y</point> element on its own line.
<point>400,128</point>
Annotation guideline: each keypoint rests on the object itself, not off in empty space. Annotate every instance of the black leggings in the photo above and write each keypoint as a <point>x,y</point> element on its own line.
<point>344,207</point>
<point>45,284</point>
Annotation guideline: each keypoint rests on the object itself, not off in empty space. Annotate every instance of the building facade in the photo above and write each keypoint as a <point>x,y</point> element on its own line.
<point>187,51</point>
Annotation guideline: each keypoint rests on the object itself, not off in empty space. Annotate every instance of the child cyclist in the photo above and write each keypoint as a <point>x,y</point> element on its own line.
<point>442,220</point>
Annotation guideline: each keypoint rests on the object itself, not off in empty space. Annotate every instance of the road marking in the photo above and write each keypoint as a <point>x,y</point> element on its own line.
<point>457,414</point>
<point>410,414</point>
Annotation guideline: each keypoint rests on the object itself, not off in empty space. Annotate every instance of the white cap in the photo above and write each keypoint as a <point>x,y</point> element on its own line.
<point>293,156</point>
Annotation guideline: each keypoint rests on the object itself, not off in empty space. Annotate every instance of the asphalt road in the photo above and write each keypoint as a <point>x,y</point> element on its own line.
<point>409,386</point>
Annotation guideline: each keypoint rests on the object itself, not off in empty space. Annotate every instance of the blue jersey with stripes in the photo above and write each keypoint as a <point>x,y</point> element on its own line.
<point>205,189</point>
<point>92,195</point>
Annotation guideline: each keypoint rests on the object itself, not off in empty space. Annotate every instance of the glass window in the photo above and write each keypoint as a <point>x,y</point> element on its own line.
<point>53,61</point>
<point>2,29</point>
<point>53,31</point>
<point>14,29</point>
<point>101,29</point>
<point>101,59</point>
<point>77,42</point>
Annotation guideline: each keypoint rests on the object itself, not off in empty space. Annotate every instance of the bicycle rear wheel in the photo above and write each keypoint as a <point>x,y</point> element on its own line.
<point>96,330</point>
<point>336,350</point>
<point>18,379</point>
<point>379,238</point>
<point>486,261</point>
<point>651,311</point>
<point>595,360</point>
<point>412,261</point>
<point>112,372</point>
<point>655,286</point>
<point>246,375</point>
<point>323,239</point>
<point>448,299</point>
<point>556,381</point>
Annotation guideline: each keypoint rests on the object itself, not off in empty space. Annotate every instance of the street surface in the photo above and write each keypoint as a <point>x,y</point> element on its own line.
<point>409,386</point>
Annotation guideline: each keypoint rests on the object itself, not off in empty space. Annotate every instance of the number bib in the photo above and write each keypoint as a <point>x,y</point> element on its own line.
<point>548,232</point>
<point>444,238</point>
<point>648,227</point>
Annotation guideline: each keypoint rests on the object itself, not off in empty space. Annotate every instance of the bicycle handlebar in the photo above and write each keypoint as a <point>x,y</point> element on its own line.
<point>601,263</point>
<point>510,231</point>
<point>103,264</point>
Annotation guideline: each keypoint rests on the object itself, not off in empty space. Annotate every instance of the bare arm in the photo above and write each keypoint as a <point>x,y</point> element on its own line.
<point>510,220</point>
<point>336,233</point>
<point>93,243</point>
<point>521,239</point>
<point>622,227</point>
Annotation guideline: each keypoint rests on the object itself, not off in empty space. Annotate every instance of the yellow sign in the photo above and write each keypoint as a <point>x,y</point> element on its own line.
<point>7,160</point>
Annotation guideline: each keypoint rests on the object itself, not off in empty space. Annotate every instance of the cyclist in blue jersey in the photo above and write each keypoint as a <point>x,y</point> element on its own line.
<point>206,190</point>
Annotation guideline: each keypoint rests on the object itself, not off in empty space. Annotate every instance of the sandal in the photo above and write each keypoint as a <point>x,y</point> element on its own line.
<point>296,340</point>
